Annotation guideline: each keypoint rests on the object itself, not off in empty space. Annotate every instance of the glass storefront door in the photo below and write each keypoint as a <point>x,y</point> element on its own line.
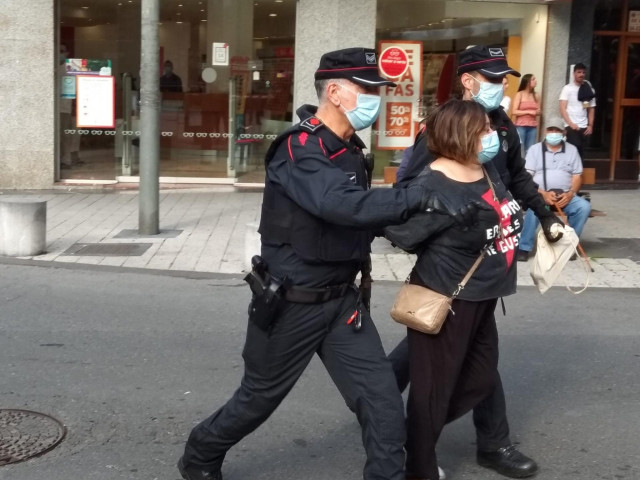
<point>630,135</point>
<point>615,67</point>
<point>226,81</point>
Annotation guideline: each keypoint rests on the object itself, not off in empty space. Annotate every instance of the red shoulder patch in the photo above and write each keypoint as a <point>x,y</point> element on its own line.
<point>303,138</point>
<point>314,121</point>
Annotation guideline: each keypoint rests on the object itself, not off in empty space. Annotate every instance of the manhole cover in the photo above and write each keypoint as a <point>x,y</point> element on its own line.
<point>25,434</point>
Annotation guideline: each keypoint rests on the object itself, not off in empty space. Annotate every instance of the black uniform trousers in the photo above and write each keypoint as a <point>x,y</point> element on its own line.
<point>450,373</point>
<point>356,362</point>
<point>489,416</point>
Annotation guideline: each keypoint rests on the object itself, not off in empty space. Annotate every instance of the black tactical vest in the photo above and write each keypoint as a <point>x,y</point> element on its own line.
<point>313,239</point>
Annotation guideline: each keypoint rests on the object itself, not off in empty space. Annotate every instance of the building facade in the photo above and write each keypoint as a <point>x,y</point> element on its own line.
<point>233,71</point>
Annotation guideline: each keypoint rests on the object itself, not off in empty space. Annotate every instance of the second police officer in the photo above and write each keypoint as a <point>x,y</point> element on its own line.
<point>316,224</point>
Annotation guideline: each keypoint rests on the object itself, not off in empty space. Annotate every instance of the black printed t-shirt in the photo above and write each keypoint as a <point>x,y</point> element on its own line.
<point>446,251</point>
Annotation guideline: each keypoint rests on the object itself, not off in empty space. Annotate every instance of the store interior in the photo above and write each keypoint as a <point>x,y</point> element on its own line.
<point>204,134</point>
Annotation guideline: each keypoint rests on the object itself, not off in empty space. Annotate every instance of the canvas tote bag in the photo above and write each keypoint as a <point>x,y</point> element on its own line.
<point>551,258</point>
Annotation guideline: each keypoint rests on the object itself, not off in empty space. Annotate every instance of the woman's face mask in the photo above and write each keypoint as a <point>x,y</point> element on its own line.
<point>490,147</point>
<point>554,138</point>
<point>490,94</point>
<point>365,112</point>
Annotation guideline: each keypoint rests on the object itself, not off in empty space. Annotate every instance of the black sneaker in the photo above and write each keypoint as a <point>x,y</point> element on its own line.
<point>523,255</point>
<point>508,461</point>
<point>195,473</point>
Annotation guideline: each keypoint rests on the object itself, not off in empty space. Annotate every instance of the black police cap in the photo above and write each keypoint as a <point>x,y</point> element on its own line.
<point>360,65</point>
<point>489,61</point>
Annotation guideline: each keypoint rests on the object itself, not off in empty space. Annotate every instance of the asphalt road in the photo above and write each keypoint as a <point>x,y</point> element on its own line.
<point>129,362</point>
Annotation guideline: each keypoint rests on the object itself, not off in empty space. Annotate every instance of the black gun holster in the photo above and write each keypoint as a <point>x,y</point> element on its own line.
<point>267,295</point>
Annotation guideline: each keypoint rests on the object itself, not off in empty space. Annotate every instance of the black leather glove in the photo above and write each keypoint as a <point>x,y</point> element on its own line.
<point>546,222</point>
<point>466,216</point>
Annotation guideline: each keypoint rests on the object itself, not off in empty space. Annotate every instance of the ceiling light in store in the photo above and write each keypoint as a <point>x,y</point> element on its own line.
<point>178,22</point>
<point>273,14</point>
<point>86,8</point>
<point>203,20</point>
<point>278,1</point>
<point>179,4</point>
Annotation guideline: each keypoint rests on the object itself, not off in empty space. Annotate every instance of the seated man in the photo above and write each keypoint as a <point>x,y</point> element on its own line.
<point>557,167</point>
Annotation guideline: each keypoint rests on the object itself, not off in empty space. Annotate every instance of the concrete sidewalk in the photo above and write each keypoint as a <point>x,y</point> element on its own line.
<point>212,230</point>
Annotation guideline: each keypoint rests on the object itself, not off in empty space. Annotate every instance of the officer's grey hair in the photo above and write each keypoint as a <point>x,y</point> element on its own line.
<point>321,87</point>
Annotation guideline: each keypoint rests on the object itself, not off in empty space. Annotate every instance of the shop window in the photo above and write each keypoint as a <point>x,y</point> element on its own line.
<point>441,29</point>
<point>218,114</point>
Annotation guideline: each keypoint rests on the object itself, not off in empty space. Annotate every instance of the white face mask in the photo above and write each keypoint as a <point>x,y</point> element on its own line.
<point>490,94</point>
<point>554,138</point>
<point>490,147</point>
<point>366,110</point>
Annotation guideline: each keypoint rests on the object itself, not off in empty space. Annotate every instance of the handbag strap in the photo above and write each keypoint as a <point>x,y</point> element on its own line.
<point>466,278</point>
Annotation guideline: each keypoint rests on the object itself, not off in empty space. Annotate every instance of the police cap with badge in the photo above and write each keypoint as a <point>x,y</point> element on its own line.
<point>489,61</point>
<point>360,65</point>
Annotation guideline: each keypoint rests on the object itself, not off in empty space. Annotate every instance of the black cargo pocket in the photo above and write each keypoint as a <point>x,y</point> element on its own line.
<point>256,350</point>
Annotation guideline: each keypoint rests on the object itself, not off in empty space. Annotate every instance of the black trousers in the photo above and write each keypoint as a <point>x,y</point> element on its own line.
<point>578,139</point>
<point>356,362</point>
<point>450,373</point>
<point>489,416</point>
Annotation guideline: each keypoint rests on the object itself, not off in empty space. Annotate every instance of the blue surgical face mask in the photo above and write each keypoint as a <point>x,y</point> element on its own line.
<point>365,112</point>
<point>554,138</point>
<point>490,147</point>
<point>490,94</point>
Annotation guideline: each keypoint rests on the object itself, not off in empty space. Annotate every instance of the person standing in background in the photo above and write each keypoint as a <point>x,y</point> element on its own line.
<point>169,81</point>
<point>69,142</point>
<point>526,109</point>
<point>578,108</point>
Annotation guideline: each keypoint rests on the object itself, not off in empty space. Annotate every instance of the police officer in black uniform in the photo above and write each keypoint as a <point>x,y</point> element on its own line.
<point>315,228</point>
<point>482,70</point>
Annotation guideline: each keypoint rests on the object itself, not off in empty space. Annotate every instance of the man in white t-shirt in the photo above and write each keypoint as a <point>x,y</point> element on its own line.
<point>577,107</point>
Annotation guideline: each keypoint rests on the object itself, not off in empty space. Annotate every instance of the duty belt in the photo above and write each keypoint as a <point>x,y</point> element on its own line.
<point>316,295</point>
